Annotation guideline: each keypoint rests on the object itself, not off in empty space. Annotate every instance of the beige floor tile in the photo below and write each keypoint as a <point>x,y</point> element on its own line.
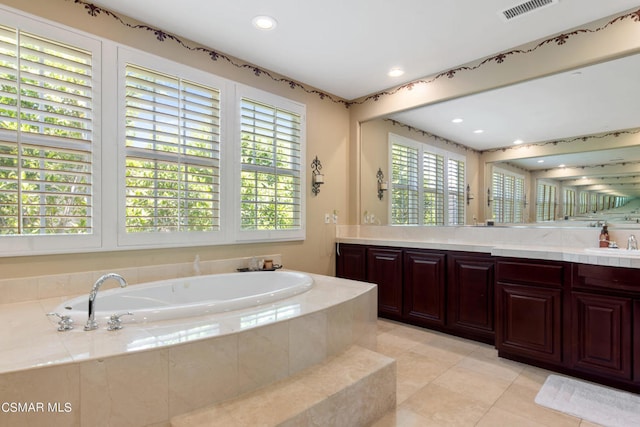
<point>444,407</point>
<point>499,418</point>
<point>414,371</point>
<point>519,399</point>
<point>393,345</point>
<point>479,386</point>
<point>402,417</point>
<point>487,361</point>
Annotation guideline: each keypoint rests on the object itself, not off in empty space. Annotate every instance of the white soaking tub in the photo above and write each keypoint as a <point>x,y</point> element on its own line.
<point>189,296</point>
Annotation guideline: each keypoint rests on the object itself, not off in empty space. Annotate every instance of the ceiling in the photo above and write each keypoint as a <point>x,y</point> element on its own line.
<point>346,48</point>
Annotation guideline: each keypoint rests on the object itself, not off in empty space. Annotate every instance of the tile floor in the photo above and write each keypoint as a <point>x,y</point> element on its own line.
<point>449,381</point>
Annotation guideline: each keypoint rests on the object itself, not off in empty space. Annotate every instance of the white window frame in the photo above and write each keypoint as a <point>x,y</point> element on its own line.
<point>53,244</point>
<point>268,98</point>
<point>422,149</point>
<point>178,238</point>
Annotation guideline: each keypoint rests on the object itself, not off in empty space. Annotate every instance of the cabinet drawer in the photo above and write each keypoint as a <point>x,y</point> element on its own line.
<point>606,278</point>
<point>531,273</point>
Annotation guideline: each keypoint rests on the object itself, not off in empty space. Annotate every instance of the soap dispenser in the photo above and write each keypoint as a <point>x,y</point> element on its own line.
<point>604,237</point>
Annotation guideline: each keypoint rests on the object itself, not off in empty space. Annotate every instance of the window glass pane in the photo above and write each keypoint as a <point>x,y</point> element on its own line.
<point>271,167</point>
<point>404,185</point>
<point>172,153</point>
<point>46,136</point>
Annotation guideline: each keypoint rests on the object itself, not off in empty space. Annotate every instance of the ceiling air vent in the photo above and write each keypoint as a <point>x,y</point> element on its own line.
<point>524,8</point>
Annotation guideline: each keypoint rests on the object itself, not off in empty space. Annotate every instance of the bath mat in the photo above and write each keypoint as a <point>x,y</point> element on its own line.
<point>591,402</point>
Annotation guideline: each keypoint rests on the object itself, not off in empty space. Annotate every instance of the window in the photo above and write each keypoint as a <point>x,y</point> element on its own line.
<point>569,202</point>
<point>271,153</point>
<point>46,136</point>
<point>456,192</point>
<point>187,163</point>
<point>508,196</point>
<point>546,202</point>
<point>584,202</point>
<point>404,185</point>
<point>422,179</point>
<point>49,111</point>
<point>172,153</point>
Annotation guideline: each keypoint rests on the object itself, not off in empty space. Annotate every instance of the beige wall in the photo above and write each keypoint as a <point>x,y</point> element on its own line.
<point>327,137</point>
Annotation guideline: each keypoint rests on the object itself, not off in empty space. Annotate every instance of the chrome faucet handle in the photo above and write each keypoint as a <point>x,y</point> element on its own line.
<point>632,243</point>
<point>115,323</point>
<point>65,323</point>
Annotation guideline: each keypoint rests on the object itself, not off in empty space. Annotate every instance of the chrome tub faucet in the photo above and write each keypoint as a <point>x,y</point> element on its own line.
<point>91,321</point>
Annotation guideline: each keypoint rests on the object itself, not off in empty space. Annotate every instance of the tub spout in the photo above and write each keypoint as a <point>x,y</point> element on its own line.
<point>91,321</point>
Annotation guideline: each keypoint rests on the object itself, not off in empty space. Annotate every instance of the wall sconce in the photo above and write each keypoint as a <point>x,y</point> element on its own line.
<point>489,197</point>
<point>317,178</point>
<point>469,195</point>
<point>382,185</point>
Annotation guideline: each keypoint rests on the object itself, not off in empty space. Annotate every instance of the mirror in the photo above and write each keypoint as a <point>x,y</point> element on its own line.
<point>578,129</point>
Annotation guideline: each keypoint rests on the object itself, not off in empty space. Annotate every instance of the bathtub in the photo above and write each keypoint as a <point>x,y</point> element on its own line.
<point>189,296</point>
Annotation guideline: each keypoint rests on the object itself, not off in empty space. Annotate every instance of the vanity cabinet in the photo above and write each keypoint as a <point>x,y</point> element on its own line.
<point>384,268</point>
<point>423,291</point>
<point>351,262</point>
<point>529,310</point>
<point>604,302</point>
<point>470,294</point>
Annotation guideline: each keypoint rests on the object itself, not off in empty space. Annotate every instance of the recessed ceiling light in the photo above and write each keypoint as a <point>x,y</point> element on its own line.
<point>264,22</point>
<point>518,141</point>
<point>478,131</point>
<point>561,166</point>
<point>540,161</point>
<point>395,72</point>
<point>457,120</point>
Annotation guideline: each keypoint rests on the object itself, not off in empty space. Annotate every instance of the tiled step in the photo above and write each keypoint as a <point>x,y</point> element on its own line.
<point>354,388</point>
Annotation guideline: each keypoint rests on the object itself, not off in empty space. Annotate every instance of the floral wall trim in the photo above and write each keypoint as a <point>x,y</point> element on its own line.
<point>558,40</point>
<point>500,58</point>
<point>163,36</point>
<point>576,139</point>
<point>431,135</point>
<point>583,138</point>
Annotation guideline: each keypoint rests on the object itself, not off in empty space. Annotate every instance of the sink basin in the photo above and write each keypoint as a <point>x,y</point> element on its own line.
<point>613,252</point>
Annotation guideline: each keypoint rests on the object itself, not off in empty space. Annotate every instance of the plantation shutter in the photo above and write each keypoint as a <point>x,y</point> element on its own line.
<point>498,196</point>
<point>271,167</point>
<point>46,136</point>
<point>404,184</point>
<point>455,173</point>
<point>546,203</point>
<point>433,189</point>
<point>172,153</point>
<point>519,200</point>
<point>509,197</point>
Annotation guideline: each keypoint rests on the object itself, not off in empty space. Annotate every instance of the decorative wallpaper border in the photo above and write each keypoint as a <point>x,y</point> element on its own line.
<point>500,58</point>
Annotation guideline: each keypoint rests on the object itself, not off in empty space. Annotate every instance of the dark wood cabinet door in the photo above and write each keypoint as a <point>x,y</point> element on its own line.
<point>601,341</point>
<point>424,288</point>
<point>470,293</point>
<point>384,268</point>
<point>529,322</point>
<point>351,262</point>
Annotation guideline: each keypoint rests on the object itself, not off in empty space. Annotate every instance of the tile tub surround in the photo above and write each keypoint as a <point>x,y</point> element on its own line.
<point>551,243</point>
<point>145,374</point>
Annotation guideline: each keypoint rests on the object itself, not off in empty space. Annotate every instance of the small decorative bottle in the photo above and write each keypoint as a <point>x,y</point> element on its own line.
<point>604,237</point>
